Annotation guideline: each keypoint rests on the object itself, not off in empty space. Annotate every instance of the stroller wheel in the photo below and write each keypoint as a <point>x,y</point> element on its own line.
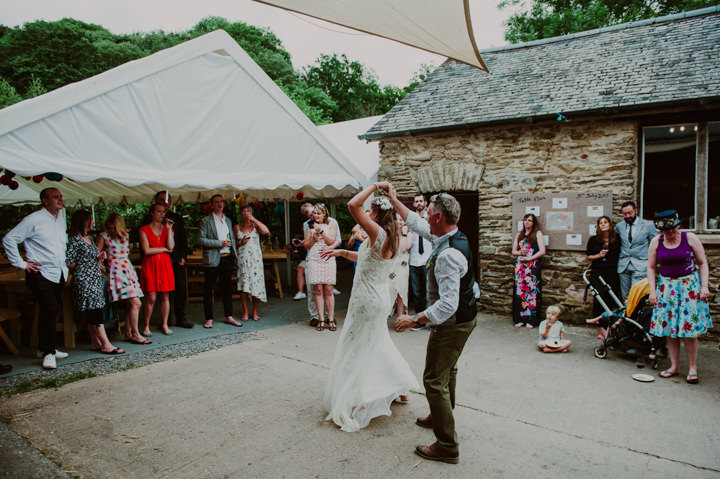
<point>600,352</point>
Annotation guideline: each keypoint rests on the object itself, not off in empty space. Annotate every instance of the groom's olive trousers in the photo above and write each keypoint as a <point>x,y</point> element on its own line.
<point>444,347</point>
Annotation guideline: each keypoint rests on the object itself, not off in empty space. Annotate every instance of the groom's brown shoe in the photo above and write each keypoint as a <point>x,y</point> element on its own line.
<point>434,453</point>
<point>425,421</point>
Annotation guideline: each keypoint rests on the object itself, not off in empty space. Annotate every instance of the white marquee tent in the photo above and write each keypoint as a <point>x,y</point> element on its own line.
<point>363,154</point>
<point>197,119</point>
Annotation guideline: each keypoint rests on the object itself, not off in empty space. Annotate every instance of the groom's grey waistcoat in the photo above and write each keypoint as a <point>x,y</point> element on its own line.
<point>467,306</point>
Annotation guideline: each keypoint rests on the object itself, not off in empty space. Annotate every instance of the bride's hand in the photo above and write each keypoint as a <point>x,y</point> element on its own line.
<point>383,185</point>
<point>403,322</point>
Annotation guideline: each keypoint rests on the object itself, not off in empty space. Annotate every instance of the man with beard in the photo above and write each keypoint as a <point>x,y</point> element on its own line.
<point>635,236</point>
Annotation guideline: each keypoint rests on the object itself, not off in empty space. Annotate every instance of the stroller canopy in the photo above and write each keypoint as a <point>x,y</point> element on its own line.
<point>637,292</point>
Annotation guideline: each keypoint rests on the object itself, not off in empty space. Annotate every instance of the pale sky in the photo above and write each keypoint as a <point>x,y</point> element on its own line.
<point>304,38</point>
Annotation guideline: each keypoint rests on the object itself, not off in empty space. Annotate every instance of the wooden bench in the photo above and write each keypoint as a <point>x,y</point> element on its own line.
<point>7,315</point>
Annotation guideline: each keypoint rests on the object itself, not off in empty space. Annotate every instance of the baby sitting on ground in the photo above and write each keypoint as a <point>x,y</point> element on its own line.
<point>552,334</point>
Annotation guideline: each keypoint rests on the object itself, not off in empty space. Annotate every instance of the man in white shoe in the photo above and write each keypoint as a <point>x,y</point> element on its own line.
<point>44,234</point>
<point>307,210</point>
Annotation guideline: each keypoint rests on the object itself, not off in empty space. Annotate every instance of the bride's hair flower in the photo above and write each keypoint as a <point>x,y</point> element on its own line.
<point>383,203</point>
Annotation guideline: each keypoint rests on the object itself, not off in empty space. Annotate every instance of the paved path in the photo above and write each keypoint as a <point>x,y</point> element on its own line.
<point>254,410</point>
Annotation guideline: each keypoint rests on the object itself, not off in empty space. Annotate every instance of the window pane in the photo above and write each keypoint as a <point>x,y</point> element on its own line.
<point>669,171</point>
<point>713,177</point>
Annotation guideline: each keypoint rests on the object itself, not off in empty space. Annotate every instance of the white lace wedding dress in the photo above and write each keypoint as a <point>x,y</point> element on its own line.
<point>368,372</point>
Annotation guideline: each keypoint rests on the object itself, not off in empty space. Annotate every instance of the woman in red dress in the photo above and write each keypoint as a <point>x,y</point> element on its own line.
<point>157,240</point>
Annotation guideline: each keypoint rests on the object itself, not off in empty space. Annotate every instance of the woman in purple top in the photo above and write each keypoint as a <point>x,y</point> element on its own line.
<point>681,291</point>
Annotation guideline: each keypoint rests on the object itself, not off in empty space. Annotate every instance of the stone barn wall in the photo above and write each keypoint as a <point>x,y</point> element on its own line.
<point>596,155</point>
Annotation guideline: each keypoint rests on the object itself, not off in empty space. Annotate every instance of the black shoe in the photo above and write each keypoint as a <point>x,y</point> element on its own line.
<point>185,324</point>
<point>5,368</point>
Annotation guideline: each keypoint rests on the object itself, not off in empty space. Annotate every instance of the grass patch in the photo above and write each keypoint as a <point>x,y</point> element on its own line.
<point>48,383</point>
<point>127,366</point>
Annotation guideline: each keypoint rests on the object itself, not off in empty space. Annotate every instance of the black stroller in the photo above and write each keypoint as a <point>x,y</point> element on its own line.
<point>627,326</point>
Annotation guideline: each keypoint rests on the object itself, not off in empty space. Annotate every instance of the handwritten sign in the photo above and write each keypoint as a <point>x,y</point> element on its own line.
<point>568,218</point>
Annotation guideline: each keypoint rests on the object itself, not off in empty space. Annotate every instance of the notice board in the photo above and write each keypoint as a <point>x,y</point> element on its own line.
<point>567,219</point>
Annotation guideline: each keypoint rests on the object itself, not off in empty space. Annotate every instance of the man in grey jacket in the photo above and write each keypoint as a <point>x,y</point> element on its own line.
<point>219,259</point>
<point>635,235</point>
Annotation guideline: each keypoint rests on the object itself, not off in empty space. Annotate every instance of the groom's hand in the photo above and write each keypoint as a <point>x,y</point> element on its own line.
<point>392,193</point>
<point>403,322</point>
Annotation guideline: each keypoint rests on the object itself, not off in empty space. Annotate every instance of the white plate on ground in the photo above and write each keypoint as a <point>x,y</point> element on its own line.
<point>643,378</point>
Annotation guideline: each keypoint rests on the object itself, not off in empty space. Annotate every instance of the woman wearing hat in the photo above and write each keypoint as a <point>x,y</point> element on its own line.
<point>680,292</point>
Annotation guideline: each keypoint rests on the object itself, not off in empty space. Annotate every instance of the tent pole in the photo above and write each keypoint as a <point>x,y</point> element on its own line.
<point>288,268</point>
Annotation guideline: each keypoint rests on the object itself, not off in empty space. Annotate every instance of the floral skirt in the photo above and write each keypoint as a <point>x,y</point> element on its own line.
<point>680,313</point>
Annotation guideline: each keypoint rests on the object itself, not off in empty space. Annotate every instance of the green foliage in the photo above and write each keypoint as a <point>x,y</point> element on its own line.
<point>8,94</point>
<point>418,77</point>
<point>313,101</point>
<point>353,87</point>
<point>551,18</point>
<point>41,56</point>
<point>36,88</point>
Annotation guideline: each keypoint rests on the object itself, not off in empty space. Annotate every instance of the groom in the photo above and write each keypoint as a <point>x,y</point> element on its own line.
<point>450,314</point>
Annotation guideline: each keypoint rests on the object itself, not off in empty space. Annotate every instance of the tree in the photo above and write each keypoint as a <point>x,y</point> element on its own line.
<point>41,56</point>
<point>260,43</point>
<point>56,53</point>
<point>36,88</point>
<point>313,101</point>
<point>551,18</point>
<point>8,94</point>
<point>351,86</point>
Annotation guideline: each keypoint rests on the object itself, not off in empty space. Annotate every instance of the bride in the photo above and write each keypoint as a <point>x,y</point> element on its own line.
<point>368,372</point>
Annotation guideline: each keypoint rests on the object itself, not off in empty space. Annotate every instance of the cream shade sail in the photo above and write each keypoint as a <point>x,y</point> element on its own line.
<point>437,26</point>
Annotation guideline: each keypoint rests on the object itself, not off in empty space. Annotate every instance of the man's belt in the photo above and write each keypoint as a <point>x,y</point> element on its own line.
<point>224,255</point>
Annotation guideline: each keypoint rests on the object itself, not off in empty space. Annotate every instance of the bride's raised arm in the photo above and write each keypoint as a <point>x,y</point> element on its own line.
<point>355,206</point>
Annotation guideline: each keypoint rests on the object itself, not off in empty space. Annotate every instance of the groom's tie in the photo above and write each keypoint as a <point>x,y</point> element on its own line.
<point>421,249</point>
<point>630,234</point>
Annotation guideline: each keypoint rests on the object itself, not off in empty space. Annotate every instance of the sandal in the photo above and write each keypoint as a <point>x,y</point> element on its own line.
<point>321,326</point>
<point>114,351</point>
<point>667,374</point>
<point>692,378</point>
<point>333,326</point>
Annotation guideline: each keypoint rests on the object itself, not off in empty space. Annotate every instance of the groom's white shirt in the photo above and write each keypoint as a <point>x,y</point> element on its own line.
<point>450,266</point>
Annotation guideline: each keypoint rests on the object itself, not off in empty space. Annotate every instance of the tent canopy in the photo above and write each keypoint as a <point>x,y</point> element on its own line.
<point>197,119</point>
<point>441,27</point>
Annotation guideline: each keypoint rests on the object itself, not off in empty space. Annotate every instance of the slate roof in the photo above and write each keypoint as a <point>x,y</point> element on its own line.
<point>661,61</point>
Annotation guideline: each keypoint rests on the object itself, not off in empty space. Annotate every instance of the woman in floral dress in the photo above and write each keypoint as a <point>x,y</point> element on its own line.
<point>528,246</point>
<point>251,272</point>
<point>124,283</point>
<point>678,275</point>
<point>88,293</point>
